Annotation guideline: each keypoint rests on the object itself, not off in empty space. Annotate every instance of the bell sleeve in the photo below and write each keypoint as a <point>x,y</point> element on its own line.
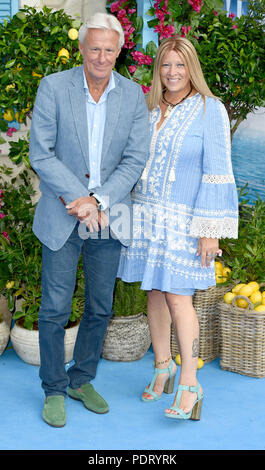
<point>216,206</point>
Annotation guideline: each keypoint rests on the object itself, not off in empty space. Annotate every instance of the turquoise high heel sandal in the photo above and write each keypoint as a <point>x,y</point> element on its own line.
<point>195,412</point>
<point>168,387</point>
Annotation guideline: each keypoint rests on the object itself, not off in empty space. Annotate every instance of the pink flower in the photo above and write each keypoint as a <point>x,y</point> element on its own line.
<point>10,131</point>
<point>232,15</point>
<point>164,31</point>
<point>129,44</point>
<point>141,58</point>
<point>5,234</point>
<point>131,11</point>
<point>196,5</point>
<point>132,68</point>
<point>116,5</point>
<point>215,12</point>
<point>160,15</point>
<point>185,30</point>
<point>2,215</point>
<point>145,88</point>
<point>1,193</point>
<point>121,14</point>
<point>234,26</point>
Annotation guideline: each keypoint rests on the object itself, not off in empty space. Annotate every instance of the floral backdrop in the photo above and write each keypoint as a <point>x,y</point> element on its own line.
<point>37,43</point>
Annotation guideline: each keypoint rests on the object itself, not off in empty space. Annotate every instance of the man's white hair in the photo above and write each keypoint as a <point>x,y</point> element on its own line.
<point>102,21</point>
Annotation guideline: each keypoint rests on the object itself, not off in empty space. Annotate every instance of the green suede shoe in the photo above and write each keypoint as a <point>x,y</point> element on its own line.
<point>90,398</point>
<point>53,411</point>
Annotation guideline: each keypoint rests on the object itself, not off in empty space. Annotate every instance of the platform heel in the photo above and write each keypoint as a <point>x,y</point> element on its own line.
<point>168,387</point>
<point>195,412</point>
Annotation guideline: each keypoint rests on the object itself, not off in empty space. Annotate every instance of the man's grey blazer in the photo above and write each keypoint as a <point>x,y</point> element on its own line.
<point>59,152</point>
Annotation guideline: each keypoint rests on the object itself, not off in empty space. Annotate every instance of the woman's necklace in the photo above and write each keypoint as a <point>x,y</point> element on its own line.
<point>171,105</point>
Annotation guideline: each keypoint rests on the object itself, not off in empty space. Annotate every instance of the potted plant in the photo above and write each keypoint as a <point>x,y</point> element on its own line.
<point>20,268</point>
<point>128,336</point>
<point>242,309</point>
<point>26,340</point>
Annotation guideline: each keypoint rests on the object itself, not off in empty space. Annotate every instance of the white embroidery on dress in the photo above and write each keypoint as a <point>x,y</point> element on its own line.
<point>226,227</point>
<point>218,179</point>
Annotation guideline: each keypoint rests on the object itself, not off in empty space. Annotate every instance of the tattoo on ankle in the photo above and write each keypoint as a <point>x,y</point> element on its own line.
<point>195,348</point>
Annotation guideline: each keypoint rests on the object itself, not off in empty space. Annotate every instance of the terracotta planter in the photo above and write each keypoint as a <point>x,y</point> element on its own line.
<point>127,338</point>
<point>26,343</point>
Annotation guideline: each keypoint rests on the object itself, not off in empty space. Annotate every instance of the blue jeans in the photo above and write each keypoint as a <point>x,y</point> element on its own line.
<point>100,262</point>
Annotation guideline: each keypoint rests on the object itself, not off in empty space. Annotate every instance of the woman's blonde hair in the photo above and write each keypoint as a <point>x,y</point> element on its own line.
<point>186,49</point>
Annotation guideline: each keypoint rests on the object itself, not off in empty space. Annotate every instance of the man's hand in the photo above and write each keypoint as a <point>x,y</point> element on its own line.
<point>85,209</point>
<point>82,207</point>
<point>97,221</point>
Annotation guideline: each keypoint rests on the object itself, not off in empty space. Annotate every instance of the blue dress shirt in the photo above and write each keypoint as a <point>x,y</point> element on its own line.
<point>96,117</point>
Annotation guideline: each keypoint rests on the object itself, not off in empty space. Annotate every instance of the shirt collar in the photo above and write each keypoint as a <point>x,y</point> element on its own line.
<point>103,97</point>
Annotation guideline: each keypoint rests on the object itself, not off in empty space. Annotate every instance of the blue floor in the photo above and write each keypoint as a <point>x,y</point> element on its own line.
<point>233,413</point>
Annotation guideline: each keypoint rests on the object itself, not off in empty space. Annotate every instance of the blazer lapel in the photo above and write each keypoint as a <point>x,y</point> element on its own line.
<point>78,102</point>
<point>112,116</point>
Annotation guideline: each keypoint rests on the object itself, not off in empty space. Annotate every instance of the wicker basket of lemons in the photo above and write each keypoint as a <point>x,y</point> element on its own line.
<point>205,303</point>
<point>242,329</point>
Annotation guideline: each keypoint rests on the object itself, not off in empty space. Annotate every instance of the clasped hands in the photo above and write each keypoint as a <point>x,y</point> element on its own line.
<point>85,209</point>
<point>208,248</point>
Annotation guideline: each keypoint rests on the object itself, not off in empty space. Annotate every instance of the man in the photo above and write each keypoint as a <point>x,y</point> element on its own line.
<point>89,144</point>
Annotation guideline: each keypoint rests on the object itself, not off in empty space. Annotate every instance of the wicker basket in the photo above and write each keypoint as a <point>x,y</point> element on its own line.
<point>205,303</point>
<point>127,338</point>
<point>242,334</point>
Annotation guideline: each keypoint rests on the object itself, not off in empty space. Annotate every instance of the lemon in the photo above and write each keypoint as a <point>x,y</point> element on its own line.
<point>64,54</point>
<point>35,74</point>
<point>228,297</point>
<point>9,87</point>
<point>226,270</point>
<point>18,117</point>
<point>256,297</point>
<point>8,115</point>
<point>242,303</point>
<point>226,273</point>
<point>26,110</point>
<point>218,267</point>
<point>218,264</point>
<point>178,359</point>
<point>237,288</point>
<point>200,363</point>
<point>254,285</point>
<point>260,308</point>
<point>220,278</point>
<point>73,34</point>
<point>10,284</point>
<point>246,290</point>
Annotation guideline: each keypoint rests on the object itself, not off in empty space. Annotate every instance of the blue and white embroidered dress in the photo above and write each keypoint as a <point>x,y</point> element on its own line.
<point>186,191</point>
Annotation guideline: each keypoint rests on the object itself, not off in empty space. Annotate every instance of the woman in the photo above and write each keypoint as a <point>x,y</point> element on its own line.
<point>184,202</point>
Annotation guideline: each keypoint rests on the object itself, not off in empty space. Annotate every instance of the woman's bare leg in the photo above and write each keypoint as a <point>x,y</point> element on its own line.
<point>159,319</point>
<point>186,325</point>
